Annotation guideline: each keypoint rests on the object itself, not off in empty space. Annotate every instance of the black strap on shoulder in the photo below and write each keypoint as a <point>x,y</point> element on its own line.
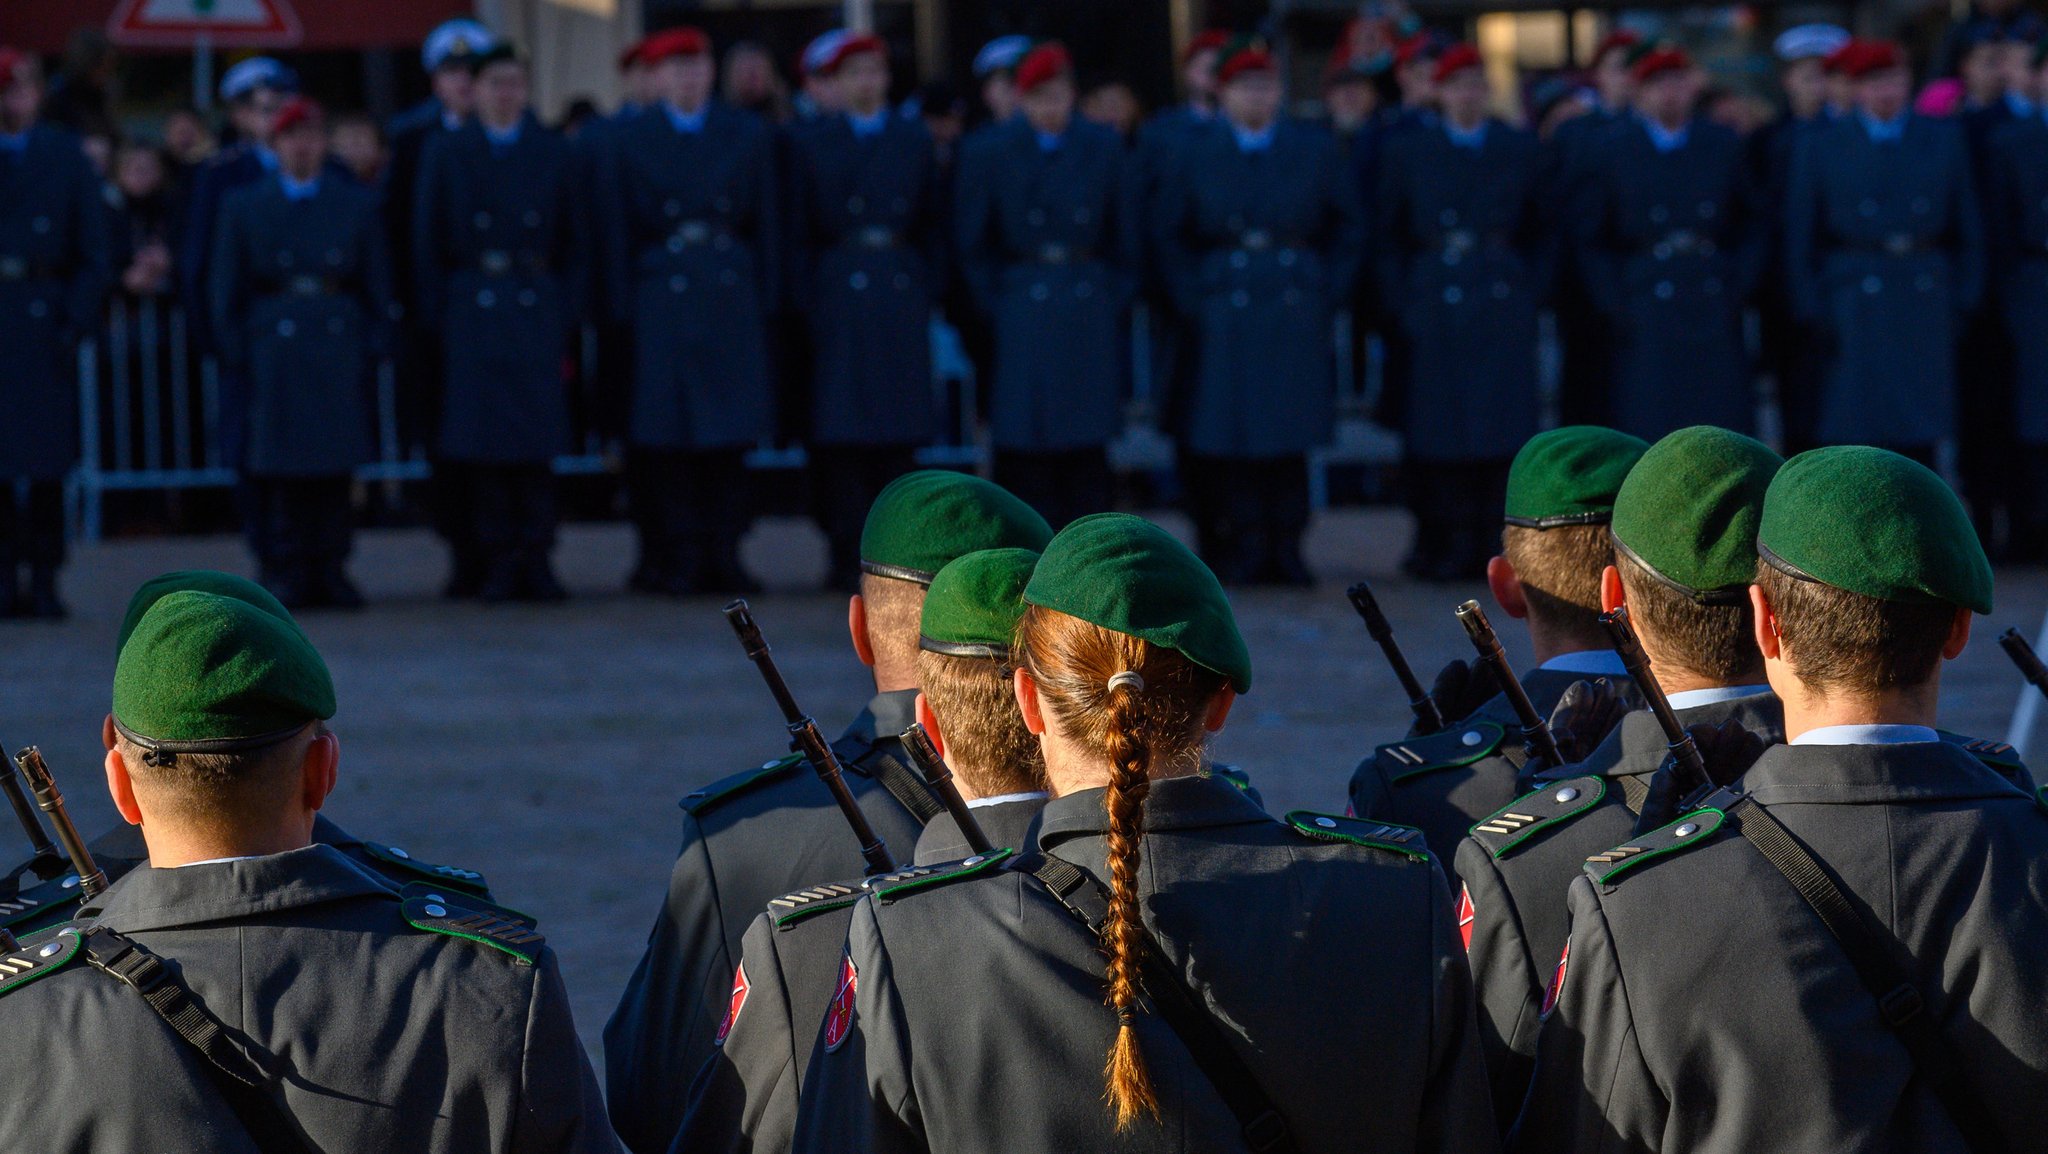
<point>903,784</point>
<point>1867,945</point>
<point>1261,1123</point>
<point>1635,790</point>
<point>240,1078</point>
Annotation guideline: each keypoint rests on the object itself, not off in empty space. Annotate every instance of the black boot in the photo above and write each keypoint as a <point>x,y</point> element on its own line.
<point>465,574</point>
<point>331,586</point>
<point>540,583</point>
<point>43,602</point>
<point>12,603</point>
<point>503,581</point>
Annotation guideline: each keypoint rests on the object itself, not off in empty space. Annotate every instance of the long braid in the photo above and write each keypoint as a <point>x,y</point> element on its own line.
<point>1123,932</point>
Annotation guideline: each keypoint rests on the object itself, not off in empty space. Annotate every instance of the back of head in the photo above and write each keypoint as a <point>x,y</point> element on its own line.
<point>1129,638</point>
<point>1560,497</point>
<point>964,666</point>
<point>1684,532</point>
<point>1865,558</point>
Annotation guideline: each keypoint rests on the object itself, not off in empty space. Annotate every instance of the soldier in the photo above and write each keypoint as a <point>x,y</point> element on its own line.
<point>502,280</point>
<point>1670,245</point>
<point>970,1010</point>
<point>253,90</point>
<point>1554,548</point>
<point>1852,933</point>
<point>241,924</point>
<point>447,55</point>
<point>1884,251</point>
<point>1262,230</point>
<point>2016,226</point>
<point>764,832</point>
<point>54,258</point>
<point>1050,245</point>
<point>1462,251</point>
<point>690,250</point>
<point>868,246</point>
<point>1586,384</point>
<point>1684,535</point>
<point>745,1097</point>
<point>301,292</point>
<point>1984,352</point>
<point>995,68</point>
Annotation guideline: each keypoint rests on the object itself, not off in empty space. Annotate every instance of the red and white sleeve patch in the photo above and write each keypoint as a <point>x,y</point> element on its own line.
<point>839,1019</point>
<point>1556,990</point>
<point>1465,913</point>
<point>732,1011</point>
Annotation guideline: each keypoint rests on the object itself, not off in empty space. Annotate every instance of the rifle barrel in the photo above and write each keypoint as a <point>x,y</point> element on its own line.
<point>2023,655</point>
<point>1428,717</point>
<point>1536,733</point>
<point>1630,649</point>
<point>91,879</point>
<point>939,777</point>
<point>39,840</point>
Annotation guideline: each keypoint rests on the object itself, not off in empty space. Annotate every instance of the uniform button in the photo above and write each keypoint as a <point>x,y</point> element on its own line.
<point>1873,285</point>
<point>1327,822</point>
<point>532,218</point>
<point>858,280</point>
<point>1239,260</point>
<point>435,898</point>
<point>286,328</point>
<point>70,883</point>
<point>400,854</point>
<point>721,242</point>
<point>1666,290</point>
<point>677,284</point>
<point>1241,299</point>
<point>434,911</point>
<point>1501,290</point>
<point>675,244</point>
<point>1287,258</point>
<point>1567,795</point>
<point>41,224</point>
<point>1040,293</point>
<point>1291,297</point>
<point>50,949</point>
<point>1473,737</point>
<point>1451,258</point>
<point>1084,290</point>
<point>528,298</point>
<point>38,309</point>
<point>482,221</point>
<point>1453,295</point>
<point>486,298</point>
<point>672,208</point>
<point>1686,830</point>
<point>1036,216</point>
<point>1661,251</point>
<point>973,861</point>
<point>1449,217</point>
<point>901,281</point>
<point>1867,208</point>
<point>1660,214</point>
<point>856,205</point>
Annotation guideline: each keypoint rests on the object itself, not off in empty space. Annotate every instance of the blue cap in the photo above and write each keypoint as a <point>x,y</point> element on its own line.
<point>1000,55</point>
<point>1809,42</point>
<point>453,40</point>
<point>254,73</point>
<point>818,53</point>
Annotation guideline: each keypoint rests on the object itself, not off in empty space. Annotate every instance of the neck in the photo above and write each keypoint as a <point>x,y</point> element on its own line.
<point>305,176</point>
<point>1676,678</point>
<point>1466,123</point>
<point>12,126</point>
<point>1806,109</point>
<point>687,109</point>
<point>1252,128</point>
<point>1806,711</point>
<point>170,847</point>
<point>864,111</point>
<point>503,125</point>
<point>1547,639</point>
<point>1670,123</point>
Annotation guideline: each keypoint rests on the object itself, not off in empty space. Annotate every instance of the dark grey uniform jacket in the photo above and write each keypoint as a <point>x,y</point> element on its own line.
<point>380,1034</point>
<point>1332,970</point>
<point>1705,1008</point>
<point>745,1097</point>
<point>1512,911</point>
<point>746,839</point>
<point>1443,783</point>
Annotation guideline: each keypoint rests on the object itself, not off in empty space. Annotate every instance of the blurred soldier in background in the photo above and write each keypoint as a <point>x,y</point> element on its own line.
<point>690,254</point>
<point>301,293</point>
<point>2016,228</point>
<point>995,70</point>
<point>501,280</point>
<point>1050,244</point>
<point>54,271</point>
<point>1587,344</point>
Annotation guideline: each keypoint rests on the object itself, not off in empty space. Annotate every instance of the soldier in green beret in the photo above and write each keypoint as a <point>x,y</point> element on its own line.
<point>755,835</point>
<point>746,1097</point>
<point>970,1014</point>
<point>241,923</point>
<point>1554,549</point>
<point>1849,948</point>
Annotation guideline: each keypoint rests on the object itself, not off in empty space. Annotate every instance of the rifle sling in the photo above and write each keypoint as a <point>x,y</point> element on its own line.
<point>903,784</point>
<point>1259,1121</point>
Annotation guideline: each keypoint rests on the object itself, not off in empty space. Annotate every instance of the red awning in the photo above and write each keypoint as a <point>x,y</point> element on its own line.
<point>322,24</point>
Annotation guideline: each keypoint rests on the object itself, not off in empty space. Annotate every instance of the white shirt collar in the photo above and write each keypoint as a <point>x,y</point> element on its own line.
<point>1694,698</point>
<point>1866,735</point>
<point>1005,798</point>
<point>216,861</point>
<point>1597,662</point>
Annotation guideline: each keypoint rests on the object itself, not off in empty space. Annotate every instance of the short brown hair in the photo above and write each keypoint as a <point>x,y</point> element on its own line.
<point>986,742</point>
<point>1560,569</point>
<point>895,608</point>
<point>219,791</point>
<point>1846,644</point>
<point>1715,643</point>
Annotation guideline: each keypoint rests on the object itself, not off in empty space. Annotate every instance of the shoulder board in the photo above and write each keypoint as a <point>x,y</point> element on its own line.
<point>479,922</point>
<point>1405,840</point>
<point>468,881</point>
<point>1694,829</point>
<point>1532,813</point>
<point>1461,744</point>
<point>1232,774</point>
<point>890,887</point>
<point>1996,754</point>
<point>442,895</point>
<point>2041,798</point>
<point>791,908</point>
<point>37,900</point>
<point>25,965</point>
<point>730,787</point>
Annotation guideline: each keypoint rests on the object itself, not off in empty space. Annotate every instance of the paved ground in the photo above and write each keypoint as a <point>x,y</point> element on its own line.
<point>547,746</point>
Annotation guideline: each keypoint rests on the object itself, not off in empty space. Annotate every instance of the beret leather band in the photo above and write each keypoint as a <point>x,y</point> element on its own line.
<point>964,649</point>
<point>898,572</point>
<point>1731,595</point>
<point>1559,522</point>
<point>211,745</point>
<point>1764,554</point>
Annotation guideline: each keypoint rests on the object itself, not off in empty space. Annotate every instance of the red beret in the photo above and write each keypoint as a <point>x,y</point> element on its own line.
<point>631,54</point>
<point>1041,64</point>
<point>1619,40</point>
<point>1207,40</point>
<point>1658,61</point>
<point>1456,59</point>
<point>295,112</point>
<point>11,60</point>
<point>1416,47</point>
<point>1868,56</point>
<point>850,46</point>
<point>684,41</point>
<point>1241,57</point>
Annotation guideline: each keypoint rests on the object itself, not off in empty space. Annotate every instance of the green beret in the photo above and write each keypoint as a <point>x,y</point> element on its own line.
<point>204,673</point>
<point>923,520</point>
<point>1689,510</point>
<point>204,581</point>
<point>975,602</point>
<point>1130,576</point>
<point>1872,522</point>
<point>1569,476</point>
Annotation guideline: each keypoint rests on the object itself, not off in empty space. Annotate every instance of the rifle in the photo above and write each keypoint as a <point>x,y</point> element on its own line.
<point>1623,636</point>
<point>1537,741</point>
<point>92,881</point>
<point>938,777</point>
<point>1428,718</point>
<point>47,862</point>
<point>805,738</point>
<point>2023,655</point>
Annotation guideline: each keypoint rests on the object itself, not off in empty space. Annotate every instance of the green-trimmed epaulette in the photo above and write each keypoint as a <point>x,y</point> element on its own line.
<point>31,962</point>
<point>726,788</point>
<point>1461,744</point>
<point>2041,798</point>
<point>800,905</point>
<point>1996,754</point>
<point>442,895</point>
<point>477,921</point>
<point>466,880</point>
<point>38,901</point>
<point>1405,840</point>
<point>1694,829</point>
<point>1512,825</point>
<point>891,887</point>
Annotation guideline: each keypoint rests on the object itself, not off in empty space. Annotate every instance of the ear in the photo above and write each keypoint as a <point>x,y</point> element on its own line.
<point>1958,636</point>
<point>1027,701</point>
<point>1611,596</point>
<point>857,628</point>
<point>107,733</point>
<point>318,771</point>
<point>930,721</point>
<point>121,787</point>
<point>1218,710</point>
<point>1766,628</point>
<point>1507,588</point>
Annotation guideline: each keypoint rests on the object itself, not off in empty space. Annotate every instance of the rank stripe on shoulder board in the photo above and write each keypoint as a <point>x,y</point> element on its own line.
<point>791,908</point>
<point>1514,824</point>
<point>1693,829</point>
<point>1459,745</point>
<point>487,927</point>
<point>1405,840</point>
<point>29,963</point>
<point>726,788</point>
